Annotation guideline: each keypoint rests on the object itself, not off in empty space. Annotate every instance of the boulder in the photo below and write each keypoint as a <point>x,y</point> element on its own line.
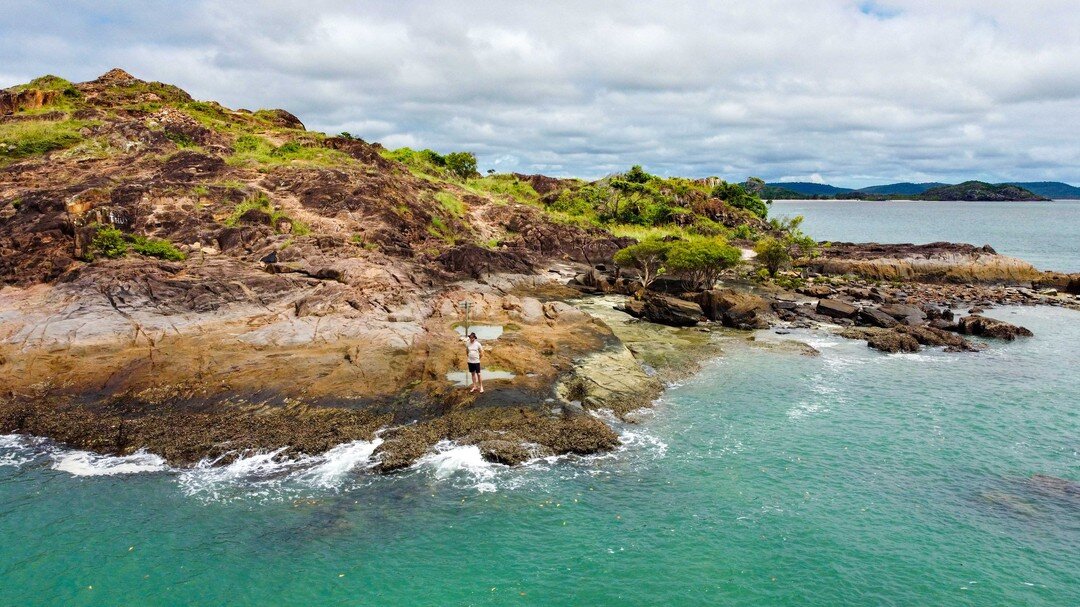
<point>872,317</point>
<point>672,311</point>
<point>736,309</point>
<point>904,312</point>
<point>672,285</point>
<point>816,290</point>
<point>836,309</point>
<point>892,342</point>
<point>990,327</point>
<point>931,336</point>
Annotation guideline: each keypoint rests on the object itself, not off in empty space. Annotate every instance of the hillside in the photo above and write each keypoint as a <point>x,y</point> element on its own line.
<point>979,191</point>
<point>901,189</point>
<point>210,279</point>
<point>809,189</point>
<point>1054,190</point>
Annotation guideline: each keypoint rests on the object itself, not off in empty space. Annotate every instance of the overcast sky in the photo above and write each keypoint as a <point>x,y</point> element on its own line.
<point>848,92</point>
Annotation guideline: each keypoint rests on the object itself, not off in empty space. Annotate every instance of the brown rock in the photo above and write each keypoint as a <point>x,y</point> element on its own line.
<point>736,309</point>
<point>990,327</point>
<point>836,309</point>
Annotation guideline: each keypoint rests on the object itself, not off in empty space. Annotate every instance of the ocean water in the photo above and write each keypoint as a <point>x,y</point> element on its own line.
<point>769,478</point>
<point>1047,234</point>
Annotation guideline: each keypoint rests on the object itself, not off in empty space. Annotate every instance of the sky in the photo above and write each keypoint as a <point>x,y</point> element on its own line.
<point>848,92</point>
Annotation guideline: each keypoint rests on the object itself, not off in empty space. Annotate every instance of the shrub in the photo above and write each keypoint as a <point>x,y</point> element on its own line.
<point>462,164</point>
<point>701,260</point>
<point>734,195</point>
<point>108,242</point>
<point>647,256</point>
<point>152,247</point>
<point>773,254</point>
<point>505,184</point>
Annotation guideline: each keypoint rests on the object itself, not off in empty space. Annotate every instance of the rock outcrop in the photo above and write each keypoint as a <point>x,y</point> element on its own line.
<point>990,327</point>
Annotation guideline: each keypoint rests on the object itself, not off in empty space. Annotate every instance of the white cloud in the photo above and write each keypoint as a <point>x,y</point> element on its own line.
<point>852,91</point>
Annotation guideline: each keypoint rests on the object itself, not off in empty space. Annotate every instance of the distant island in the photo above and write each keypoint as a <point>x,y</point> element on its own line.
<point>968,190</point>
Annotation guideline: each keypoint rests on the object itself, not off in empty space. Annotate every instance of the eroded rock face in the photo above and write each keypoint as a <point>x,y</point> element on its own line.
<point>990,327</point>
<point>939,261</point>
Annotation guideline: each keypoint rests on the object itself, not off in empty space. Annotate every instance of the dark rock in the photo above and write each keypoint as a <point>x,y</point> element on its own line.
<point>736,309</point>
<point>990,327</point>
<point>836,309</point>
<point>504,452</point>
<point>903,312</point>
<point>671,285</point>
<point>875,318</point>
<point>666,310</point>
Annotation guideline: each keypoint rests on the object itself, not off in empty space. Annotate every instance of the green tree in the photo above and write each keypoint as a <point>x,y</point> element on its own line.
<point>462,164</point>
<point>773,254</point>
<point>701,260</point>
<point>648,256</point>
<point>734,195</point>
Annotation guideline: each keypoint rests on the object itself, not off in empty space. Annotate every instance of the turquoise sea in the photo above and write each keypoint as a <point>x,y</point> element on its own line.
<point>1043,233</point>
<point>769,478</point>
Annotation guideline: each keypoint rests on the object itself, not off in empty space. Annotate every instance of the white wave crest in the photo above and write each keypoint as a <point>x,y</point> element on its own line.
<point>84,463</point>
<point>450,460</point>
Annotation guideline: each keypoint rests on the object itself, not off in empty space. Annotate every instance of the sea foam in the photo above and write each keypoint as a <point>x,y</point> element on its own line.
<point>84,463</point>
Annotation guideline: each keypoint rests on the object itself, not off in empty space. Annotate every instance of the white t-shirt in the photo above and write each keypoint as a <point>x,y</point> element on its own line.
<point>474,349</point>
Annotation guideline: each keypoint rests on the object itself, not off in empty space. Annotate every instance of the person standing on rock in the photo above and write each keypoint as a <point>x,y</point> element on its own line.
<point>474,350</point>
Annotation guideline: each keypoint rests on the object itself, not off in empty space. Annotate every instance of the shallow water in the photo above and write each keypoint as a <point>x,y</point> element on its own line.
<point>851,478</point>
<point>1047,234</point>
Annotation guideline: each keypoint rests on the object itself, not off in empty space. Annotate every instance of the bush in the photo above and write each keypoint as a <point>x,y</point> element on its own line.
<point>108,242</point>
<point>701,260</point>
<point>152,247</point>
<point>734,195</point>
<point>648,256</point>
<point>773,254</point>
<point>462,164</point>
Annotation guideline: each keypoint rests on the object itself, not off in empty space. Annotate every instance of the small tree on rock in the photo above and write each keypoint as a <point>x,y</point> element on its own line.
<point>648,256</point>
<point>773,254</point>
<point>701,260</point>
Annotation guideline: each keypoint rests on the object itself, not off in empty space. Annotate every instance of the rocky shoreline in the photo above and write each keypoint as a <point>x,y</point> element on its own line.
<point>202,282</point>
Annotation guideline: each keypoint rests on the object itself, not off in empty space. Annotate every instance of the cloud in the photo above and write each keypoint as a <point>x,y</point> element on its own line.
<point>854,92</point>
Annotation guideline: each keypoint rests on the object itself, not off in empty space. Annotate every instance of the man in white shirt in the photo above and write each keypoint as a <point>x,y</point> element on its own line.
<point>474,350</point>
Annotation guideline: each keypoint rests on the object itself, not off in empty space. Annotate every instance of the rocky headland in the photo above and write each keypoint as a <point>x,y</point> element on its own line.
<point>199,282</point>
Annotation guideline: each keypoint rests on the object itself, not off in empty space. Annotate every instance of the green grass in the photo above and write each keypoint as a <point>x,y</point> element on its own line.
<point>261,202</point>
<point>256,150</point>
<point>111,243</point>
<point>442,230</point>
<point>450,203</point>
<point>642,232</point>
<point>505,185</point>
<point>25,139</point>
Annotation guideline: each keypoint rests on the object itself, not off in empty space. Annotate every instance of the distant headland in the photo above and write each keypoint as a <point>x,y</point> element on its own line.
<point>967,191</point>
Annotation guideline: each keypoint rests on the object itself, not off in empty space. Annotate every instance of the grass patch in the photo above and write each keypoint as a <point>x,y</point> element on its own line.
<point>25,139</point>
<point>261,202</point>
<point>505,185</point>
<point>450,203</point>
<point>442,230</point>
<point>643,232</point>
<point>256,150</point>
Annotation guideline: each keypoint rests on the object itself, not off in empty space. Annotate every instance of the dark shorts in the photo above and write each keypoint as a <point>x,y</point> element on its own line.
<point>474,367</point>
